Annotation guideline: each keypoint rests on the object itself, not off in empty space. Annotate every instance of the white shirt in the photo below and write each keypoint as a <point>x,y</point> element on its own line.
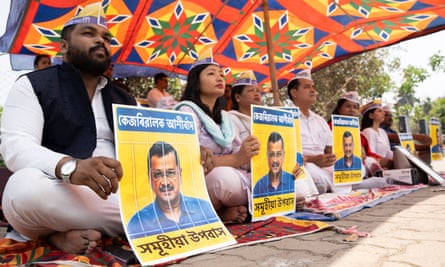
<point>158,99</point>
<point>242,123</point>
<point>315,134</point>
<point>22,129</point>
<point>378,142</point>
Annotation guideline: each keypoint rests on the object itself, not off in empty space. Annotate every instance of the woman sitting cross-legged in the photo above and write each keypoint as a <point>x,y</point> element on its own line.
<point>245,93</point>
<point>223,152</point>
<point>377,139</point>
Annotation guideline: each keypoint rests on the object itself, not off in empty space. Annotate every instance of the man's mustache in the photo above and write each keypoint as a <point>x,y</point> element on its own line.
<point>166,187</point>
<point>99,46</point>
<point>275,164</point>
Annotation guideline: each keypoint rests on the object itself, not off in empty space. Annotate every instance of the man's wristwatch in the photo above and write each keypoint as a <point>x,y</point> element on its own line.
<point>67,169</point>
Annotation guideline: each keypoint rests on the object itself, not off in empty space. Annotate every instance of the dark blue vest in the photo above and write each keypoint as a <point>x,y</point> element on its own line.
<point>69,125</point>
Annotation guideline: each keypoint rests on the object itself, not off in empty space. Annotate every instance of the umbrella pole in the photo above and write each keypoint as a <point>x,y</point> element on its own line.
<point>270,54</point>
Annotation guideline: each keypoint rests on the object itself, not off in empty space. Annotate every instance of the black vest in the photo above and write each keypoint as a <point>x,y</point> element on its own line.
<point>69,125</point>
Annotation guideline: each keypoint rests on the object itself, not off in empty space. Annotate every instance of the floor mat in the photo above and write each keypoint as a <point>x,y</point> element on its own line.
<point>39,253</point>
<point>330,207</point>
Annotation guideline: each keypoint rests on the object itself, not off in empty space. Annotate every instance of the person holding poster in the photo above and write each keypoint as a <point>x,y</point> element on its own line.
<point>57,138</point>
<point>348,105</point>
<point>349,161</point>
<point>245,93</point>
<point>315,133</point>
<point>276,181</point>
<point>227,183</point>
<point>171,210</point>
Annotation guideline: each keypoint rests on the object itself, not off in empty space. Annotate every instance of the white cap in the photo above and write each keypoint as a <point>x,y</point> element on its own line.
<point>387,108</point>
<point>376,103</point>
<point>351,96</point>
<point>245,78</point>
<point>303,74</point>
<point>90,14</point>
<point>205,57</point>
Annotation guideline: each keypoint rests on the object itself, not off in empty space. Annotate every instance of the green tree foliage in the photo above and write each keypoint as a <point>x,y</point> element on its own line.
<point>412,77</point>
<point>437,62</point>
<point>366,73</point>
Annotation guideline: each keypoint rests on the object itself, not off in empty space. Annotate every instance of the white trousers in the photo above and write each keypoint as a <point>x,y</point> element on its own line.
<point>323,177</point>
<point>228,187</point>
<point>36,206</point>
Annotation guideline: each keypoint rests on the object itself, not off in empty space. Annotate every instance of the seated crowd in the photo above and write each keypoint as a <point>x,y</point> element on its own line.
<point>60,143</point>
<point>227,136</point>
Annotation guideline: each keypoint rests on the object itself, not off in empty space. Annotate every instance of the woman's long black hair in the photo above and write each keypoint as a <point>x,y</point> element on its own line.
<point>236,90</point>
<point>192,93</point>
<point>366,120</point>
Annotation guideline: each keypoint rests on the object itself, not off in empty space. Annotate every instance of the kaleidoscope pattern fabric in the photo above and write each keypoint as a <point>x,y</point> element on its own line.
<point>168,35</point>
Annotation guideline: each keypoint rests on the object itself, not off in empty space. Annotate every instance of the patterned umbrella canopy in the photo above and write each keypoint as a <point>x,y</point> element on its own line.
<point>168,35</point>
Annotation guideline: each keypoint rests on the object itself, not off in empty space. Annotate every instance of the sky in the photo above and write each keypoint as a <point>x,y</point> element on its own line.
<point>414,52</point>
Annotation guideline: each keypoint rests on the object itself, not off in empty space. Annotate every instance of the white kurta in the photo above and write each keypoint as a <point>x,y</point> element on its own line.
<point>378,142</point>
<point>315,136</point>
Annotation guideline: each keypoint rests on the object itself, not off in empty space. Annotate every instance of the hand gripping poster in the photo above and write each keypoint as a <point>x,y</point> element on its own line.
<point>436,137</point>
<point>273,184</point>
<point>347,149</point>
<point>407,142</point>
<point>165,208</point>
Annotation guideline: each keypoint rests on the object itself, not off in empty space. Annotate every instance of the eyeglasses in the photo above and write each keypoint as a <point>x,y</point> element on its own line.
<point>170,173</point>
<point>278,154</point>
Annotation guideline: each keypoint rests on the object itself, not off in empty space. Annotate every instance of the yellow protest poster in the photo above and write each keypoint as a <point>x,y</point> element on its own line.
<point>273,182</point>
<point>436,137</point>
<point>347,149</point>
<point>407,141</point>
<point>165,208</point>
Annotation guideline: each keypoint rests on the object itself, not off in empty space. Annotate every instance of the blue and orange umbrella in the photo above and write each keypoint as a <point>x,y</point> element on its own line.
<point>168,35</point>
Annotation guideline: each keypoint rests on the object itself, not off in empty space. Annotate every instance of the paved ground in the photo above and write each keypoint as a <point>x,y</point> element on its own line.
<point>408,231</point>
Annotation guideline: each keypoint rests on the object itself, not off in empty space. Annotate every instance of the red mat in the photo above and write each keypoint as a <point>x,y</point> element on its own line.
<point>39,253</point>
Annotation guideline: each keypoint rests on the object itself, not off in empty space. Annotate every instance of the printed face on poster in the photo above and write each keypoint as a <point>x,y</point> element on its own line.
<point>437,151</point>
<point>407,141</point>
<point>164,202</point>
<point>273,183</point>
<point>347,149</point>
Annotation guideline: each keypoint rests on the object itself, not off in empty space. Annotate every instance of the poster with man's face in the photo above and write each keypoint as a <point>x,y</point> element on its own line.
<point>347,149</point>
<point>273,182</point>
<point>437,151</point>
<point>165,208</point>
<point>407,142</point>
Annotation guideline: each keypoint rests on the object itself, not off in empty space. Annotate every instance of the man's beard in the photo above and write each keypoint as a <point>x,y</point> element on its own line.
<point>86,62</point>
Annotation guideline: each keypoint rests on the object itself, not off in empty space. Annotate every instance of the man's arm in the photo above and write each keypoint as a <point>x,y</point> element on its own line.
<point>393,138</point>
<point>22,129</point>
<point>423,142</point>
<point>322,160</point>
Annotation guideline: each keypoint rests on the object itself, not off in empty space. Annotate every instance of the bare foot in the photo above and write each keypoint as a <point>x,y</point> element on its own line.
<point>75,241</point>
<point>233,214</point>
